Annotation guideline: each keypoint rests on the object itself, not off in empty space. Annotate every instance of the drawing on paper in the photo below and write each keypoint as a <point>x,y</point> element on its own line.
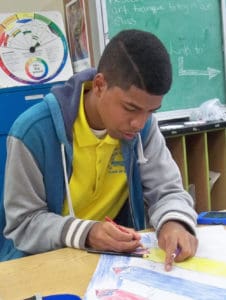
<point>129,278</point>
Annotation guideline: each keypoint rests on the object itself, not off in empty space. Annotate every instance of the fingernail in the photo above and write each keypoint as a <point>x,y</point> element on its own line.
<point>168,267</point>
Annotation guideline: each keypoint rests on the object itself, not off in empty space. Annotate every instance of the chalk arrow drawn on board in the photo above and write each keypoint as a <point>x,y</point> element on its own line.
<point>210,72</point>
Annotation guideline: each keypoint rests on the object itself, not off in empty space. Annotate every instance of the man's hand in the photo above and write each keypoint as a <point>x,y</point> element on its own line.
<point>172,236</point>
<point>106,236</point>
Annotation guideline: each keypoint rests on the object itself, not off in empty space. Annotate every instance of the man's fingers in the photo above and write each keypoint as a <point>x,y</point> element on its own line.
<point>172,256</point>
<point>105,236</point>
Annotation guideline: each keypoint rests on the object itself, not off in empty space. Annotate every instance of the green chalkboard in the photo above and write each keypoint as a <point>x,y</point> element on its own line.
<point>192,32</point>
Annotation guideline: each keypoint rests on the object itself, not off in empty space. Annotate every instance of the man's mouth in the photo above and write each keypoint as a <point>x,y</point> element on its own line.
<point>129,135</point>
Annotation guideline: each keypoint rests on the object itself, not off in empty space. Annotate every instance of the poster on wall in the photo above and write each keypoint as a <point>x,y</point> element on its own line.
<point>33,49</point>
<point>76,21</point>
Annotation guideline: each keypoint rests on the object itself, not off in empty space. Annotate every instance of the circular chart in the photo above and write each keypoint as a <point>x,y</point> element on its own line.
<point>33,48</point>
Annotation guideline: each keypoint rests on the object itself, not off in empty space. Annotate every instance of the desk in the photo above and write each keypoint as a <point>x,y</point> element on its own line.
<point>62,271</point>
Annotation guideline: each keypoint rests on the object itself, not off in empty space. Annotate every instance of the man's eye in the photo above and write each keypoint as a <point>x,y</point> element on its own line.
<point>129,108</point>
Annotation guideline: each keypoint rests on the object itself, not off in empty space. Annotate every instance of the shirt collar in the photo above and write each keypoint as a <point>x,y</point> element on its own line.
<point>81,130</point>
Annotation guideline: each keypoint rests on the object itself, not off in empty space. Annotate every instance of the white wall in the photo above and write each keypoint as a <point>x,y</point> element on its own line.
<point>30,5</point>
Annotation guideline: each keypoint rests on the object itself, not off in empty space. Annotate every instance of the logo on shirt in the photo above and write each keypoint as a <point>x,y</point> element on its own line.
<point>116,164</point>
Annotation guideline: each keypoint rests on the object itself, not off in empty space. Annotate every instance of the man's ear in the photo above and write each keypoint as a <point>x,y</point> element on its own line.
<point>99,84</point>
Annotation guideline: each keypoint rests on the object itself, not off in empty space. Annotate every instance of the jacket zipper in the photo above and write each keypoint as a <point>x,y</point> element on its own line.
<point>130,184</point>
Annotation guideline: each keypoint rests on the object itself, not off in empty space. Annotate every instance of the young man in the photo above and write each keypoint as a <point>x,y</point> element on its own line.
<point>93,148</point>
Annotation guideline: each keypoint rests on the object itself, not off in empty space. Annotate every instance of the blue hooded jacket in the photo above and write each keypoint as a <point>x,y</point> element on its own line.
<point>57,113</point>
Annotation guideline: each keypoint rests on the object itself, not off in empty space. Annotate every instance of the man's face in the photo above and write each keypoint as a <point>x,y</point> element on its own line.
<point>124,113</point>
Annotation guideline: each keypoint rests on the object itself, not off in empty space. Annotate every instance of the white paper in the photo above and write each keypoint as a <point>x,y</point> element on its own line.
<point>121,278</point>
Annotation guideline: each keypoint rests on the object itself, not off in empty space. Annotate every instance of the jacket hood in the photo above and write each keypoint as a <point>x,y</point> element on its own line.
<point>68,97</point>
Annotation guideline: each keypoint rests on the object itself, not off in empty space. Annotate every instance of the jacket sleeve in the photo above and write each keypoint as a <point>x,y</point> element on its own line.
<point>163,189</point>
<point>29,224</point>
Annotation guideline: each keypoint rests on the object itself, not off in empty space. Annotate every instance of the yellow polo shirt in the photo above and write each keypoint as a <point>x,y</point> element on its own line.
<point>98,184</point>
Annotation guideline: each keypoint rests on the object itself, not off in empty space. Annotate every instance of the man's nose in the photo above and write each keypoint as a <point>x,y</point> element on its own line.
<point>139,121</point>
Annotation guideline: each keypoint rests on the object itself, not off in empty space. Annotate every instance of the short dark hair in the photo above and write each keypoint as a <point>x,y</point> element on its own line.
<point>139,58</point>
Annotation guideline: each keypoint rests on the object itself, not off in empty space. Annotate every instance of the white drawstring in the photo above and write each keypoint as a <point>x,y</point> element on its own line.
<point>141,158</point>
<point>71,210</point>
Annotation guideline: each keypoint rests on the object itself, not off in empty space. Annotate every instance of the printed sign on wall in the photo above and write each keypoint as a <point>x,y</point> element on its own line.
<point>33,49</point>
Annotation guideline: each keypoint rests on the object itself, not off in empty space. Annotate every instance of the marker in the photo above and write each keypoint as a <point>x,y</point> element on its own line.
<point>176,253</point>
<point>108,219</point>
<point>172,127</point>
<point>194,123</point>
<point>129,254</point>
<point>35,297</point>
<point>58,296</point>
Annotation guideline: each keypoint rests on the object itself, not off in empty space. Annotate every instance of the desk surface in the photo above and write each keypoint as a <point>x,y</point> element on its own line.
<point>56,272</point>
